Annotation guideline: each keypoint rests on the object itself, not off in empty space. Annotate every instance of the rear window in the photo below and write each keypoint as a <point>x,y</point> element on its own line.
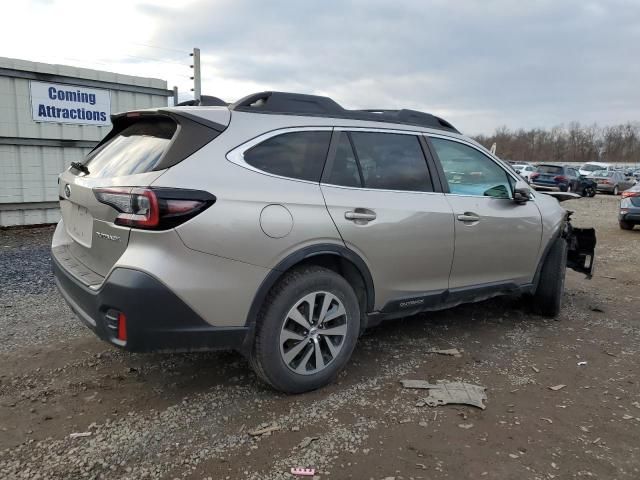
<point>549,169</point>
<point>299,155</point>
<point>136,149</point>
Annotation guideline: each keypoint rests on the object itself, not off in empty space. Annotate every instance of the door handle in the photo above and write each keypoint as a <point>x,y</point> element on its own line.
<point>469,217</point>
<point>361,214</point>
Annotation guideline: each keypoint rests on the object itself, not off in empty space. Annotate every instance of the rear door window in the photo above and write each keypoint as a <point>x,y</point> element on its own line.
<point>298,155</point>
<point>391,161</point>
<point>138,148</point>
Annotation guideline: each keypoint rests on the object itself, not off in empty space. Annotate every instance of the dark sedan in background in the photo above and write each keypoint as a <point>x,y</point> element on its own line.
<point>612,181</point>
<point>629,215</point>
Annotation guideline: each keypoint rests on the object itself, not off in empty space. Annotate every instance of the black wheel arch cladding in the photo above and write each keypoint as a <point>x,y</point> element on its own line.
<point>307,253</point>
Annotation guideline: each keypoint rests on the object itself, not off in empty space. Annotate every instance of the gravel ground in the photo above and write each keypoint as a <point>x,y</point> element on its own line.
<point>32,312</point>
<point>190,416</point>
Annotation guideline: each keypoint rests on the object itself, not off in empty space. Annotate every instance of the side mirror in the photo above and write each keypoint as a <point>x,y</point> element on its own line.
<point>521,192</point>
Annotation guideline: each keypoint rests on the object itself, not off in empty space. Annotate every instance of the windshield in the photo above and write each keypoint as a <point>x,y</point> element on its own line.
<point>591,168</point>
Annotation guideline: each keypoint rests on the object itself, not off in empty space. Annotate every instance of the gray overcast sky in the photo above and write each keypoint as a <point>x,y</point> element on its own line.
<point>480,64</point>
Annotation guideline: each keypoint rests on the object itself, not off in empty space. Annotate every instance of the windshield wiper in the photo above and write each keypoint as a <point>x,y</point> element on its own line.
<point>80,166</point>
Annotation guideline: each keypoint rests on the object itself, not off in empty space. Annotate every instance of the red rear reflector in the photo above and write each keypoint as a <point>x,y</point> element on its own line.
<point>630,194</point>
<point>560,178</point>
<point>122,327</point>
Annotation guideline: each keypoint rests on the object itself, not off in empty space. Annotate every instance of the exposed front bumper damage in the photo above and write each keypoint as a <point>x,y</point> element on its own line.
<point>582,247</point>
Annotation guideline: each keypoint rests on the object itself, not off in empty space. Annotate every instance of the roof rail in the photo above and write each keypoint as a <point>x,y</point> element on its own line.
<point>315,105</point>
<point>205,101</point>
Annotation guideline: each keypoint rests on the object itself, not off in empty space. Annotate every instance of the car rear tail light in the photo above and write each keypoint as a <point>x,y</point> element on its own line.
<point>154,208</point>
<point>628,194</point>
<point>560,178</point>
<point>534,175</point>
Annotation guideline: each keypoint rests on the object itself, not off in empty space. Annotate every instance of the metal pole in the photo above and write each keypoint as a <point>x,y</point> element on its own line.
<point>197,79</point>
<point>175,96</point>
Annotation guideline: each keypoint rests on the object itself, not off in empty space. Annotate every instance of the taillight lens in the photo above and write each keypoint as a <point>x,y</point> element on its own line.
<point>560,178</point>
<point>627,194</point>
<point>154,208</point>
<point>534,175</point>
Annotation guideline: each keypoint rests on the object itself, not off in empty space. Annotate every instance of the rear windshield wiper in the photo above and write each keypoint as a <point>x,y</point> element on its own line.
<point>80,166</point>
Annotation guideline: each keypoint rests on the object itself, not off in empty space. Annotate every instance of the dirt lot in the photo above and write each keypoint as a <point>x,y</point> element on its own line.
<point>188,416</point>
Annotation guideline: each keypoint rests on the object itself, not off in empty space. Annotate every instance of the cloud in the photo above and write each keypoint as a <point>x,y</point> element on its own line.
<point>478,64</point>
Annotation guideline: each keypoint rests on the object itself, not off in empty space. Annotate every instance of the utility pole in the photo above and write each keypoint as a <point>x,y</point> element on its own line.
<point>175,96</point>
<point>197,79</point>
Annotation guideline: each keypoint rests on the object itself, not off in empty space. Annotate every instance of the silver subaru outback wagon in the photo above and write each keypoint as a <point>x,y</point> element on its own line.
<point>283,225</point>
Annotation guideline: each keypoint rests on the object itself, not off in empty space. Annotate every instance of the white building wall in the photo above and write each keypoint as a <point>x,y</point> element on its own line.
<point>28,173</point>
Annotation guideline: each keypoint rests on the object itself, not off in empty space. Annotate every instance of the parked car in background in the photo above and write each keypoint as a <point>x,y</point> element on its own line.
<point>611,181</point>
<point>590,167</point>
<point>588,187</point>
<point>524,170</point>
<point>555,178</point>
<point>629,215</point>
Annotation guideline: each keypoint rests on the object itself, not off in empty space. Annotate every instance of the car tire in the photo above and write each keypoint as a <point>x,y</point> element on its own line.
<point>284,364</point>
<point>625,225</point>
<point>592,192</point>
<point>615,190</point>
<point>547,299</point>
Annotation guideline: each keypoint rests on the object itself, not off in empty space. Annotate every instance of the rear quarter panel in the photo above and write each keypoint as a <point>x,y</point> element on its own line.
<point>232,228</point>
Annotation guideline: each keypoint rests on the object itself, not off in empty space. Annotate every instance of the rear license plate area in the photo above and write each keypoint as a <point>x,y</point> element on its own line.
<point>80,225</point>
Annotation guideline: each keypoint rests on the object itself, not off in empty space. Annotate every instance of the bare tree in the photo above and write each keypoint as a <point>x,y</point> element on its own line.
<point>573,143</point>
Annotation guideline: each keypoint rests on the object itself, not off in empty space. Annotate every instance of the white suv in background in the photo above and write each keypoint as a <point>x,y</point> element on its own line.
<point>591,167</point>
<point>524,170</point>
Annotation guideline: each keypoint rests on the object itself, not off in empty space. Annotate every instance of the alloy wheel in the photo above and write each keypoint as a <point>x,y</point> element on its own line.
<point>313,333</point>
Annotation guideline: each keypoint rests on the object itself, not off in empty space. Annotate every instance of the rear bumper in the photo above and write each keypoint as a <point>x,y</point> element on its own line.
<point>604,188</point>
<point>545,187</point>
<point>156,319</point>
<point>630,216</point>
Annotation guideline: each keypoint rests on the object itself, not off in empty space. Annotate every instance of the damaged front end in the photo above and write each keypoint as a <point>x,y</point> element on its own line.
<point>582,247</point>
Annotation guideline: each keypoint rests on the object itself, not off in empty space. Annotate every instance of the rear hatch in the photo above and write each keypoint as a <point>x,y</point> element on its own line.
<point>138,150</point>
<point>548,173</point>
